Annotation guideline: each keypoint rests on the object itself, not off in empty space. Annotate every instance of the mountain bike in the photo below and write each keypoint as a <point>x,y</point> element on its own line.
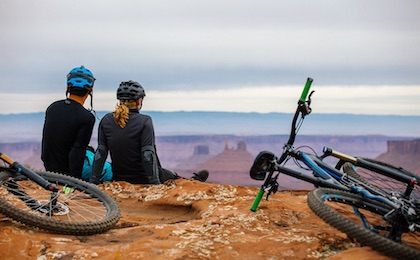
<point>389,219</point>
<point>54,202</point>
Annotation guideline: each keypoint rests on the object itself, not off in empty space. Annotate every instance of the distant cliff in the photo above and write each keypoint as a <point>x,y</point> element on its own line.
<point>231,165</point>
<point>404,147</point>
<point>403,153</point>
<point>229,157</point>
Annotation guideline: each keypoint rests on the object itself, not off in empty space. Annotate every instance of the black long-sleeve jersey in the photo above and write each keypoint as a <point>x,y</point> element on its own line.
<point>125,144</point>
<point>66,134</point>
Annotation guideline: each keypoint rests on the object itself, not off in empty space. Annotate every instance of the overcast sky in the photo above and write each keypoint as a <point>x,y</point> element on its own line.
<point>236,55</point>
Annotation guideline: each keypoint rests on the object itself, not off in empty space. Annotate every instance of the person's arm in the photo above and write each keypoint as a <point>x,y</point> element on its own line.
<point>148,151</point>
<point>98,164</point>
<point>78,149</point>
<point>100,156</point>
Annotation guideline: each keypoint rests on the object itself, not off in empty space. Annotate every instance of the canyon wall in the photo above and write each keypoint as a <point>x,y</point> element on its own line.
<point>229,158</point>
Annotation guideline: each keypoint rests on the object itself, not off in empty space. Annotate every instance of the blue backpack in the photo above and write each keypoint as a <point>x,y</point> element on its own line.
<point>87,167</point>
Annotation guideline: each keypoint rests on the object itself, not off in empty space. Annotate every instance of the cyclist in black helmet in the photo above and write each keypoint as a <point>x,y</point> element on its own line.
<point>68,126</point>
<point>130,138</point>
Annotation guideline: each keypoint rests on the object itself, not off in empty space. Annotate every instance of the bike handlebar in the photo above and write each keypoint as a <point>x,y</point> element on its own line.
<point>302,100</point>
<point>257,200</point>
<point>306,90</point>
<point>405,177</point>
<point>336,154</point>
<point>6,158</point>
<point>28,173</point>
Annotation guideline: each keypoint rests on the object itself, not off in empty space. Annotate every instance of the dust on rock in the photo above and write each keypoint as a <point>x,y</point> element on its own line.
<point>189,219</point>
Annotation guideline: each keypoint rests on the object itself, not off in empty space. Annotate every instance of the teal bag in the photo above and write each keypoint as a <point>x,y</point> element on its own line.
<point>87,167</point>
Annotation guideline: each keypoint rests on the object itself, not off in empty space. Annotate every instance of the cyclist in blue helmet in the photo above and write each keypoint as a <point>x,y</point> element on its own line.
<point>80,79</point>
<point>68,126</point>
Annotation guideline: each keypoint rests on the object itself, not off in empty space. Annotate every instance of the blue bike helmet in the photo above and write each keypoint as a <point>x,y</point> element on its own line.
<point>130,90</point>
<point>80,77</point>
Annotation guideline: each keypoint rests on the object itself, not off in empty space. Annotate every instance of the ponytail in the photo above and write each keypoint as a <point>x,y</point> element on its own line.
<point>121,113</point>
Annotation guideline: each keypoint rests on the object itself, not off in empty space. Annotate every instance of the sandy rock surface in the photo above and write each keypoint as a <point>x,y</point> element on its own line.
<point>187,219</point>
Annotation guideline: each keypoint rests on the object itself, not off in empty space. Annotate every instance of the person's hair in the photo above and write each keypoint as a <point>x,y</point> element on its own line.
<point>121,113</point>
<point>78,91</point>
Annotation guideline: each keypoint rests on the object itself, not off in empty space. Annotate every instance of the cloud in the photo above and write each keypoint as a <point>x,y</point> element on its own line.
<point>170,46</point>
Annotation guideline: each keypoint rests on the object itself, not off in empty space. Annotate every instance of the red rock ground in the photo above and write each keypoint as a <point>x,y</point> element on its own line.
<point>192,220</point>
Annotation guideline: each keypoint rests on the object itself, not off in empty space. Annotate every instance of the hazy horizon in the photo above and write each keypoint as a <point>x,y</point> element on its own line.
<point>29,126</point>
<point>363,100</point>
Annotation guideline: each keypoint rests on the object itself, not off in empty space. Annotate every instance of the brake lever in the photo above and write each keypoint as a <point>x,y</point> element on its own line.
<point>308,108</point>
<point>274,186</point>
<point>309,97</point>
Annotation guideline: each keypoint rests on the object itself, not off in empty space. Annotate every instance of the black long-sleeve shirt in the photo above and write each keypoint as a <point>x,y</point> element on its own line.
<point>125,144</point>
<point>66,134</point>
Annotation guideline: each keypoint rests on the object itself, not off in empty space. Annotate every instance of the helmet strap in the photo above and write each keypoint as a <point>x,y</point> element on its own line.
<point>91,105</point>
<point>91,101</point>
<point>139,103</point>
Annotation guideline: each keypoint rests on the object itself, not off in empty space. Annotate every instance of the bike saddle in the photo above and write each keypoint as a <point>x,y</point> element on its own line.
<point>261,165</point>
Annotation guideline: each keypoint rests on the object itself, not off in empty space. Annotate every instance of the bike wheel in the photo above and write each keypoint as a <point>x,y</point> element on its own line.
<point>362,219</point>
<point>379,181</point>
<point>78,208</point>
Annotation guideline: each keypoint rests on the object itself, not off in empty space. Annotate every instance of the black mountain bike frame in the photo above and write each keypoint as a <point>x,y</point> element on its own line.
<point>323,174</point>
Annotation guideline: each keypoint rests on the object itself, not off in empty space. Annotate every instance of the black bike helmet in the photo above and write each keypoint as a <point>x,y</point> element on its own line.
<point>130,90</point>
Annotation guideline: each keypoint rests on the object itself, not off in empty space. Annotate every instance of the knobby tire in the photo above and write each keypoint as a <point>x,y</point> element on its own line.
<point>81,208</point>
<point>331,206</point>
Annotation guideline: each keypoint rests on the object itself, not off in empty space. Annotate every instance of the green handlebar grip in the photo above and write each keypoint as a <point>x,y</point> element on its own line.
<point>257,200</point>
<point>306,90</point>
